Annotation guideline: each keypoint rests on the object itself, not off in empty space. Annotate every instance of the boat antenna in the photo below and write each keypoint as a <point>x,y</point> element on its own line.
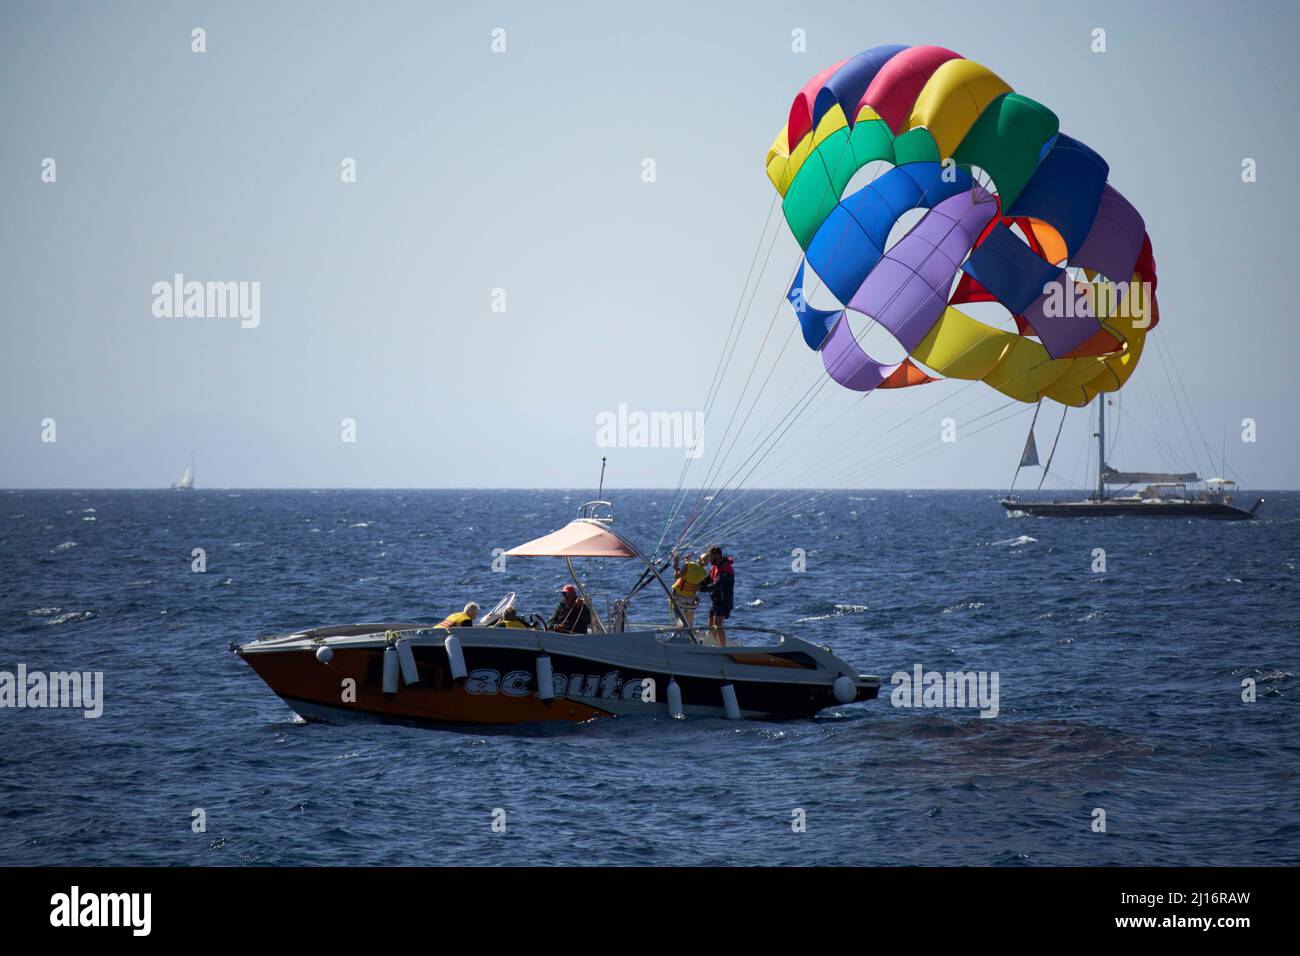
<point>601,487</point>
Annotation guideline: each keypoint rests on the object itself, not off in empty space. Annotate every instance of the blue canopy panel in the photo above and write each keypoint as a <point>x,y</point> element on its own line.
<point>851,80</point>
<point>1065,190</point>
<point>851,241</point>
<point>816,323</point>
<point>1047,147</point>
<point>1009,269</point>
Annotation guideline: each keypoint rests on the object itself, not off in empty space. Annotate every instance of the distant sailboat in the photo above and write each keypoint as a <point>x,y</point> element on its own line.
<point>1165,495</point>
<point>186,480</point>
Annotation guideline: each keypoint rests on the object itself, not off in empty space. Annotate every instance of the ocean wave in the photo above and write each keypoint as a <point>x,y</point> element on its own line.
<point>71,616</point>
<point>967,606</point>
<point>841,610</point>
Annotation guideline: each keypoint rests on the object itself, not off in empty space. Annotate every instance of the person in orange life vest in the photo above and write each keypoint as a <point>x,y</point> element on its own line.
<point>463,618</point>
<point>686,586</point>
<point>721,588</point>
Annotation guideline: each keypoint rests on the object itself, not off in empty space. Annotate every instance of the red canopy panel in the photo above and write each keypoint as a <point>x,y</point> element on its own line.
<point>578,539</point>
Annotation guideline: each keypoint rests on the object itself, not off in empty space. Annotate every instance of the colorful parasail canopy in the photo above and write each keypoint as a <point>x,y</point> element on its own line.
<point>1014,212</point>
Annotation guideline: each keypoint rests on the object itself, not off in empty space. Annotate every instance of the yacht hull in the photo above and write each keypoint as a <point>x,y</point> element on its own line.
<point>592,676</point>
<point>1130,509</point>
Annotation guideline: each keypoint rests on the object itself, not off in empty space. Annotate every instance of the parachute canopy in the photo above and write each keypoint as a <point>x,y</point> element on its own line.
<point>1013,212</point>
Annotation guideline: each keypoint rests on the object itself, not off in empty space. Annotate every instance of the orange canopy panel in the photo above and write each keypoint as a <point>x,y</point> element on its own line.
<point>578,539</point>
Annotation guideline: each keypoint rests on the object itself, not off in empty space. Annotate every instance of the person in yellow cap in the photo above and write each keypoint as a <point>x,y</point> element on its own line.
<point>463,618</point>
<point>690,574</point>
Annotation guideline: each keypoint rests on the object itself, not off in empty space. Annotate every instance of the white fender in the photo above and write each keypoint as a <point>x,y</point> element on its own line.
<point>455,657</point>
<point>846,691</point>
<point>324,653</point>
<point>545,678</point>
<point>406,657</point>
<point>674,699</point>
<point>390,669</point>
<point>729,702</point>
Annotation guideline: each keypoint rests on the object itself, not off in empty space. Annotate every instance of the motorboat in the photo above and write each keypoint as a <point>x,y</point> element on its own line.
<point>487,674</point>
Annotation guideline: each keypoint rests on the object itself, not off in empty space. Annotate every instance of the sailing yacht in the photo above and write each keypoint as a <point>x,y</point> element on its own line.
<point>1157,494</point>
<point>186,480</point>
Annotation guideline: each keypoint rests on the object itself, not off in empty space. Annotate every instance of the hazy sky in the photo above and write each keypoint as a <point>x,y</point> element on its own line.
<point>522,171</point>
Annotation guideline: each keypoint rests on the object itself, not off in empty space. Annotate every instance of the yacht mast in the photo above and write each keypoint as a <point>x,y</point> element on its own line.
<point>1101,446</point>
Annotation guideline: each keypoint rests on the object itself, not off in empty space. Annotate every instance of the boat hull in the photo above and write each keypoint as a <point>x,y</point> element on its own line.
<point>1129,509</point>
<point>592,676</point>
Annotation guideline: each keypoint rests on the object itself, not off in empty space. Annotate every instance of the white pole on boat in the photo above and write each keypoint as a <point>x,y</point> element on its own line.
<point>390,669</point>
<point>674,699</point>
<point>455,657</point>
<point>545,679</point>
<point>406,657</point>
<point>729,702</point>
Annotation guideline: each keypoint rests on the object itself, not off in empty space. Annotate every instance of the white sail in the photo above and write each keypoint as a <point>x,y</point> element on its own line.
<point>187,478</point>
<point>1029,457</point>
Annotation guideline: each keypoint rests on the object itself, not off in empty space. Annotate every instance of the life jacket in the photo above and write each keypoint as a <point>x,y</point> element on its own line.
<point>689,579</point>
<point>459,619</point>
<point>718,570</point>
<point>512,622</point>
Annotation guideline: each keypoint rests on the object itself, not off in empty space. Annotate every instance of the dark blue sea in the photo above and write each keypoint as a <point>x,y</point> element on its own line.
<point>1119,690</point>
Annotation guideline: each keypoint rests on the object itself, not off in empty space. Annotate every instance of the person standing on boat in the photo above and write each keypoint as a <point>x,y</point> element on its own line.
<point>686,586</point>
<point>463,618</point>
<point>721,588</point>
<point>572,616</point>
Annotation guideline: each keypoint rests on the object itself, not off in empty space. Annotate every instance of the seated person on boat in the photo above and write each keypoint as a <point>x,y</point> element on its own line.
<point>463,618</point>
<point>510,619</point>
<point>572,616</point>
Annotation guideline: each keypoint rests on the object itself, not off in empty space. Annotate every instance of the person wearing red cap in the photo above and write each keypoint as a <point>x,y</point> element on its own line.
<point>572,616</point>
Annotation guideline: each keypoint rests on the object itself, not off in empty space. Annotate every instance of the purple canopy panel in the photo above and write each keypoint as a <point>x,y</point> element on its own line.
<point>907,291</point>
<point>1115,239</point>
<point>848,364</point>
<point>1061,333</point>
